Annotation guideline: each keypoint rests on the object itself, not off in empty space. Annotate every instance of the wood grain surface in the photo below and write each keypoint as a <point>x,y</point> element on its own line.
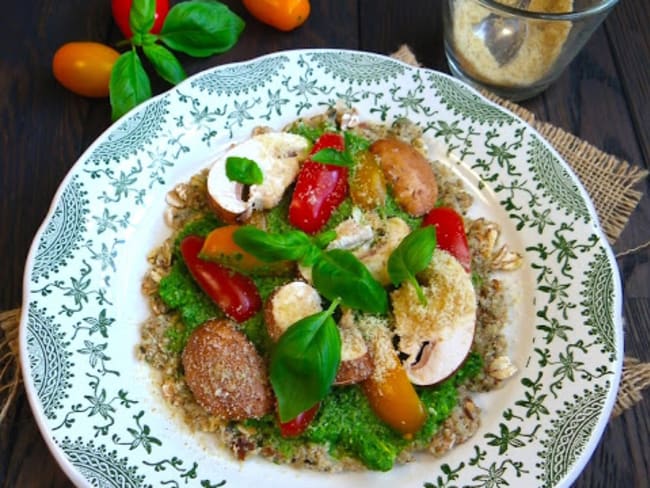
<point>602,97</point>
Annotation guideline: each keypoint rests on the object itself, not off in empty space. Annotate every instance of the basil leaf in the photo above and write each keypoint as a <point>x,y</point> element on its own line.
<point>165,63</point>
<point>270,247</point>
<point>332,156</point>
<point>129,84</point>
<point>143,39</point>
<point>243,170</point>
<point>304,363</point>
<point>339,274</point>
<point>201,28</point>
<point>308,131</point>
<point>142,16</point>
<point>412,255</point>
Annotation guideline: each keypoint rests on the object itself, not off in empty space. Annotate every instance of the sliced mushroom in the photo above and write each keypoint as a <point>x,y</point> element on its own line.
<point>226,375</point>
<point>409,174</point>
<point>289,303</point>
<point>356,364</point>
<point>278,154</point>
<point>436,337</point>
<point>390,233</point>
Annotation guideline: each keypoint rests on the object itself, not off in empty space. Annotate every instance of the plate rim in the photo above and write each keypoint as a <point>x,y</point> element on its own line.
<point>597,433</point>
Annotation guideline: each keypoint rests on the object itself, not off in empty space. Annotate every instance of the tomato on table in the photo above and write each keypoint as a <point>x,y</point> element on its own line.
<point>284,15</point>
<point>122,9</point>
<point>320,188</point>
<point>450,234</point>
<point>234,293</point>
<point>85,67</point>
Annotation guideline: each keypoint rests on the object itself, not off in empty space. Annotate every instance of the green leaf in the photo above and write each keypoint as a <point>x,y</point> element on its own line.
<point>129,84</point>
<point>142,16</point>
<point>270,247</point>
<point>339,274</point>
<point>304,363</point>
<point>243,170</point>
<point>412,255</point>
<point>165,63</point>
<point>201,28</point>
<point>332,156</point>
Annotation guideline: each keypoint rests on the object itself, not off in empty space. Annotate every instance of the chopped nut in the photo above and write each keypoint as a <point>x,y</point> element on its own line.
<point>501,368</point>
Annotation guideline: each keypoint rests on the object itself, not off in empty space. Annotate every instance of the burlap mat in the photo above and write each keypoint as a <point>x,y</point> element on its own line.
<point>609,181</point>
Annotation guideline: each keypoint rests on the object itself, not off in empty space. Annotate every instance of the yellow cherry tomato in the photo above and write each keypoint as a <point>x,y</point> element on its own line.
<point>85,67</point>
<point>395,401</point>
<point>367,183</point>
<point>284,15</point>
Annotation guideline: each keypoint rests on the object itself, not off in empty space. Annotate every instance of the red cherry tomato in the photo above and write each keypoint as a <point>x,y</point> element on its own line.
<point>122,9</point>
<point>297,426</point>
<point>450,234</point>
<point>320,188</point>
<point>233,292</point>
<point>84,67</point>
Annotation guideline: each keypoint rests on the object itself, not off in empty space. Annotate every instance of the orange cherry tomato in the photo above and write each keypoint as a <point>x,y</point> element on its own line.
<point>220,247</point>
<point>85,67</point>
<point>284,15</point>
<point>395,401</point>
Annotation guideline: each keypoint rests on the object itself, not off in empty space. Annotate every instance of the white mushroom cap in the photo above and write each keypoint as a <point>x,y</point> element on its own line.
<point>288,304</point>
<point>436,337</point>
<point>278,154</point>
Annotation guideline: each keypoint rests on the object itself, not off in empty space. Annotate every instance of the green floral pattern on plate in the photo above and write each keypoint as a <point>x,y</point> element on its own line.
<point>96,400</point>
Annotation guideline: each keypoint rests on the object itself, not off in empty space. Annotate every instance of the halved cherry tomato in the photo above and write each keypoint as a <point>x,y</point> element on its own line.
<point>84,67</point>
<point>368,184</point>
<point>233,292</point>
<point>320,188</point>
<point>284,15</point>
<point>219,246</point>
<point>450,234</point>
<point>295,427</point>
<point>395,401</point>
<point>122,9</point>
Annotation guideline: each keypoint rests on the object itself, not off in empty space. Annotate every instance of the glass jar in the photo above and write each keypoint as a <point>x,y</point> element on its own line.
<point>481,47</point>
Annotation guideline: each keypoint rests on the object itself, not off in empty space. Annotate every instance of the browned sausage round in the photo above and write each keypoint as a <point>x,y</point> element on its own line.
<point>225,373</point>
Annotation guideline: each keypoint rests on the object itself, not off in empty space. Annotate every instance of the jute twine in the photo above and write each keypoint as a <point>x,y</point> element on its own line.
<point>609,181</point>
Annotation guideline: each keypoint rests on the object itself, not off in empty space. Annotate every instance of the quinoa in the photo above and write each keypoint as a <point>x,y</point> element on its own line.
<point>164,332</point>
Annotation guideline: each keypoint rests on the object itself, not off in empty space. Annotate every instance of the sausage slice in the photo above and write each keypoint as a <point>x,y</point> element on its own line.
<point>225,373</point>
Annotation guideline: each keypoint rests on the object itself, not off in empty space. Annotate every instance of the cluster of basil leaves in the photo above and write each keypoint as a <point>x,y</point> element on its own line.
<point>306,358</point>
<point>199,28</point>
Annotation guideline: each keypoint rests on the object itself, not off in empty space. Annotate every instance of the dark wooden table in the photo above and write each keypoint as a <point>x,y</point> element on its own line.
<point>604,97</point>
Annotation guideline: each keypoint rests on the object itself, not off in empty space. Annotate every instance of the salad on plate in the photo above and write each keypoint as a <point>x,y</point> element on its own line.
<point>324,299</point>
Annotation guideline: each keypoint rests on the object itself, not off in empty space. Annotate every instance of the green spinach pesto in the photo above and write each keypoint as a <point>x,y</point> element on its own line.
<point>347,425</point>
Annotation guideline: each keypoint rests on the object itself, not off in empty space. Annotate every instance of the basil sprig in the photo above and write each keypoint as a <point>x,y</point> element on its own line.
<point>243,170</point>
<point>199,28</point>
<point>269,247</point>
<point>129,84</point>
<point>332,156</point>
<point>345,158</point>
<point>411,256</point>
<point>336,273</point>
<point>304,363</point>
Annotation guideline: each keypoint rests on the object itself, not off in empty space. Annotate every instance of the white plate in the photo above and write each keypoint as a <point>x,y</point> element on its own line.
<point>96,403</point>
